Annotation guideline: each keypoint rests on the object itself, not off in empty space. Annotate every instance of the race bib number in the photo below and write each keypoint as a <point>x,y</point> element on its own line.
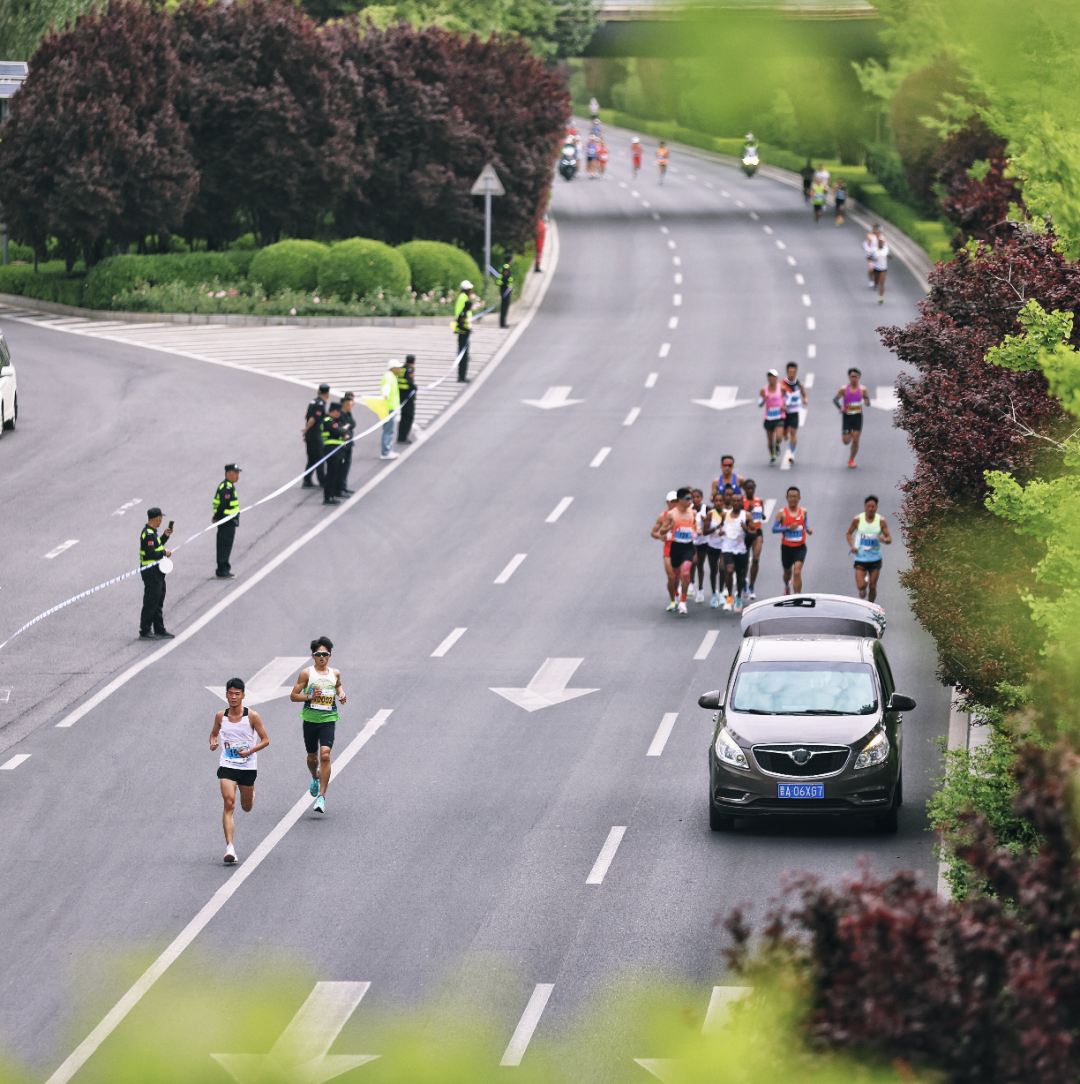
<point>684,535</point>
<point>322,699</point>
<point>793,534</point>
<point>772,413</point>
<point>236,752</point>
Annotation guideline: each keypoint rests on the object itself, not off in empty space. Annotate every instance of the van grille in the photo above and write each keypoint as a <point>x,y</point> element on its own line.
<point>816,760</point>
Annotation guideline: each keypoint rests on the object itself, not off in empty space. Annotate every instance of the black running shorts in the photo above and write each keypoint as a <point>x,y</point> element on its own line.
<point>244,777</point>
<point>790,554</point>
<point>681,552</point>
<point>869,566</point>
<point>792,420</point>
<point>773,423</point>
<point>739,560</point>
<point>318,734</point>
<point>852,423</point>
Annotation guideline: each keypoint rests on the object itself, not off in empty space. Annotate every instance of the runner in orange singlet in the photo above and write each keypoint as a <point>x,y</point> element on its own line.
<point>791,523</point>
<point>665,537</point>
<point>681,521</point>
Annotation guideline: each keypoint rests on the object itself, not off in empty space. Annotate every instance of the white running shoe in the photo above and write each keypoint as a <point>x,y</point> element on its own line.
<point>682,609</point>
<point>390,455</point>
<point>751,594</point>
<point>700,596</point>
<point>715,600</point>
<point>671,607</point>
<point>727,603</point>
<point>230,855</point>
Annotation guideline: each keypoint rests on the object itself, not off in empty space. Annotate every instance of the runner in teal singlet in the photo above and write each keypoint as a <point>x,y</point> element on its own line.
<point>318,688</point>
<point>864,537</point>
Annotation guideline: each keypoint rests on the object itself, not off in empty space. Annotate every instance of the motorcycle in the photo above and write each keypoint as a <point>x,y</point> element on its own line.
<point>568,164</point>
<point>750,161</point>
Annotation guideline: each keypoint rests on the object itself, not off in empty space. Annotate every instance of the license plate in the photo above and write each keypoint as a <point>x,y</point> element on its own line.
<point>800,790</point>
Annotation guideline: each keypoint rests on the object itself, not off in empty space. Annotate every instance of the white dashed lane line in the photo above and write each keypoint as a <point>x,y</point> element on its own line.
<point>511,568</point>
<point>448,643</point>
<point>650,380</point>
<point>676,299</point>
<point>678,278</point>
<point>673,323</point>
<point>60,549</point>
<point>600,457</point>
<point>632,416</point>
<point>677,261</point>
<point>806,300</point>
<point>780,244</point>
<point>702,652</point>
<point>811,324</point>
<point>662,734</point>
<point>799,280</point>
<point>14,762</point>
<point>558,510</point>
<point>124,507</point>
<point>665,349</point>
<point>811,351</point>
<point>606,855</point>
<point>523,1033</point>
<point>790,259</point>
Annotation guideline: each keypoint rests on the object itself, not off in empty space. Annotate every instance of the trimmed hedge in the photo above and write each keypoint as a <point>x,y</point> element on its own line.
<point>51,283</point>
<point>359,266</point>
<point>115,274</point>
<point>434,264</point>
<point>292,265</point>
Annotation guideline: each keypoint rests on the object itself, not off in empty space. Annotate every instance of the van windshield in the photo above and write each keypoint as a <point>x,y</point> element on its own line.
<point>805,688</point>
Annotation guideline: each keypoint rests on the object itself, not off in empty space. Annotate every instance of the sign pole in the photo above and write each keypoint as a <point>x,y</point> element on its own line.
<point>487,227</point>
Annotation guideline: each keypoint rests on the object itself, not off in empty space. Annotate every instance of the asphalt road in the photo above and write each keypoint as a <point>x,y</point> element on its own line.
<point>458,840</point>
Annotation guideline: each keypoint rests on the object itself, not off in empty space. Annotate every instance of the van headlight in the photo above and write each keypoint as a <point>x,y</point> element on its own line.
<point>876,751</point>
<point>727,749</point>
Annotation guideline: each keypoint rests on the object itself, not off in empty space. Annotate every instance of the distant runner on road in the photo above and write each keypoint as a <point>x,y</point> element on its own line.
<point>728,477</point>
<point>662,159</point>
<point>791,523</point>
<point>794,400</point>
<point>680,521</point>
<point>771,397</point>
<point>850,400</point>
<point>635,154</point>
<point>701,541</point>
<point>319,689</point>
<point>864,537</point>
<point>879,261</point>
<point>754,538</point>
<point>240,734</point>
<point>665,537</point>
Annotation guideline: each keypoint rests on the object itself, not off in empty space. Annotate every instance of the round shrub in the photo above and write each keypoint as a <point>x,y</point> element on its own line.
<point>435,264</point>
<point>361,267</point>
<point>292,265</point>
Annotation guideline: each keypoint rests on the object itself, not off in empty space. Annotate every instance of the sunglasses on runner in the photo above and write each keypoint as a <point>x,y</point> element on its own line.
<point>320,654</point>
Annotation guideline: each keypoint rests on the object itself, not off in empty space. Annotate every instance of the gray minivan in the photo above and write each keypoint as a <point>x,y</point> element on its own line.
<point>809,722</point>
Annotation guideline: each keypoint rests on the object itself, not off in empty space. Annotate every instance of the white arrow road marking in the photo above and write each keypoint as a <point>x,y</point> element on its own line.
<point>606,855</point>
<point>706,645</point>
<point>14,762</point>
<point>300,1055</point>
<point>723,997</point>
<point>519,1041</point>
<point>662,734</point>
<point>548,686</point>
<point>511,568</point>
<point>60,549</point>
<point>448,643</point>
<point>558,510</point>
<point>267,684</point>
<point>723,398</point>
<point>600,457</point>
<point>886,398</point>
<point>553,398</point>
<point>115,1016</point>
<point>667,1069</point>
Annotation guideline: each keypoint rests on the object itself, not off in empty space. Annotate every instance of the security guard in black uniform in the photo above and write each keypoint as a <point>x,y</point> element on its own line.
<point>151,550</point>
<point>312,433</point>
<point>407,393</point>
<point>348,423</point>
<point>506,289</point>
<point>333,437</point>
<point>225,503</point>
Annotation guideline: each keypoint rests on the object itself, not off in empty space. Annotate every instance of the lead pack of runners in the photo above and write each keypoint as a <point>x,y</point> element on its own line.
<point>724,536</point>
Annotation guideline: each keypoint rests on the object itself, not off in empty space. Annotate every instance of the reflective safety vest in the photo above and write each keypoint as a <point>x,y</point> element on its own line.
<point>391,391</point>
<point>332,433</point>
<point>463,313</point>
<point>226,502</point>
<point>151,548</point>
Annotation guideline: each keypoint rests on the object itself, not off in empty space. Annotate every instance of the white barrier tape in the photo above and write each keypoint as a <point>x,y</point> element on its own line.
<point>269,497</point>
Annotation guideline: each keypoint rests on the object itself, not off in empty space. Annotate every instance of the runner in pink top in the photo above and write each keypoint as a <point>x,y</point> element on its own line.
<point>771,397</point>
<point>850,400</point>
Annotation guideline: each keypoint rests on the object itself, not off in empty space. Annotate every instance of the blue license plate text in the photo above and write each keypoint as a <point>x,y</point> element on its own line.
<point>800,790</point>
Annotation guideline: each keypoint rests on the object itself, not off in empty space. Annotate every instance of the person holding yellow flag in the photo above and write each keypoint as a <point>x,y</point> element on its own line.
<point>387,406</point>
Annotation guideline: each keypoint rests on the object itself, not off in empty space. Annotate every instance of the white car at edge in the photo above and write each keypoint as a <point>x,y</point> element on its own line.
<point>9,395</point>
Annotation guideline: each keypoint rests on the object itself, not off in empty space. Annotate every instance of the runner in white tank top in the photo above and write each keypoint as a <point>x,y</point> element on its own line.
<point>239,733</point>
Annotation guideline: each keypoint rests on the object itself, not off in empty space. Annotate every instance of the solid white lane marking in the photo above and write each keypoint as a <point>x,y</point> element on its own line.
<point>306,1040</point>
<point>678,278</point>
<point>268,683</point>
<point>767,229</point>
<point>770,504</point>
<point>632,416</point>
<point>558,510</point>
<point>706,645</point>
<point>791,260</point>
<point>650,380</point>
<point>554,398</point>
<point>720,1006</point>
<point>780,244</point>
<point>811,351</point>
<point>800,281</point>
<point>449,642</point>
<point>723,398</point>
<point>664,350</point>
<point>677,261</point>
<point>671,244</point>
<point>511,568</point>
<point>662,734</point>
<point>257,577</point>
<point>663,229</point>
<point>808,380</point>
<point>811,324</point>
<point>673,323</point>
<point>677,299</point>
<point>60,549</point>
<point>600,457</point>
<point>124,507</point>
<point>606,855</point>
<point>547,687</point>
<point>79,1056</point>
<point>754,215</point>
<point>519,1041</point>
<point>806,300</point>
<point>14,762</point>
